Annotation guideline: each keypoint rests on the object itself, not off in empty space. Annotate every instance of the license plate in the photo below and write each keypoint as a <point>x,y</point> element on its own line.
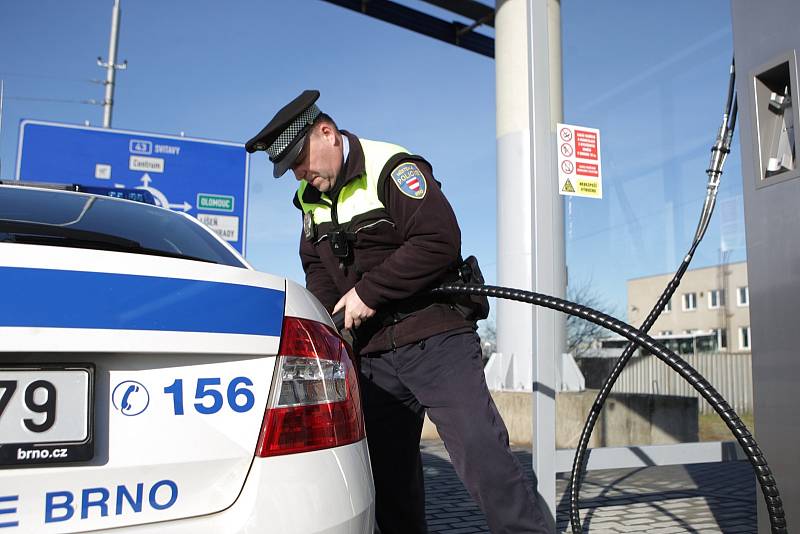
<point>46,414</point>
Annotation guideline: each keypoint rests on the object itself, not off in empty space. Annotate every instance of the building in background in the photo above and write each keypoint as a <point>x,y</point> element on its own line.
<point>707,323</point>
<point>711,307</point>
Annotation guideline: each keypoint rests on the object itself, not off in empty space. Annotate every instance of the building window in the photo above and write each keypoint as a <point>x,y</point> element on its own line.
<point>689,301</point>
<point>665,333</point>
<point>722,338</point>
<point>744,338</point>
<point>743,296</point>
<point>716,298</point>
<point>668,306</point>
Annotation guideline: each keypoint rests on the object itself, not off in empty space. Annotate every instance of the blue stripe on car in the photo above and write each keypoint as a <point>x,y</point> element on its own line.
<point>77,299</point>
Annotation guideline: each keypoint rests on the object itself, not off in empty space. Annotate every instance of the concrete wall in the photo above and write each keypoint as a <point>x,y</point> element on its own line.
<point>627,419</point>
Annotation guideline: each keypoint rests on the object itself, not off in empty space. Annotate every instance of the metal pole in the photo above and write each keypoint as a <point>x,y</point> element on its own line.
<point>549,264</point>
<point>111,65</point>
<point>530,223</point>
<point>1,125</point>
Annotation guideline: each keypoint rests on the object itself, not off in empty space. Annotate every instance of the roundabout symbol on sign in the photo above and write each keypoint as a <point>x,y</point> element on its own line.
<point>161,198</point>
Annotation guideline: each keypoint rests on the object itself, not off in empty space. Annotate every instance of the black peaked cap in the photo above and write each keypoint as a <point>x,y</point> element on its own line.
<point>283,136</point>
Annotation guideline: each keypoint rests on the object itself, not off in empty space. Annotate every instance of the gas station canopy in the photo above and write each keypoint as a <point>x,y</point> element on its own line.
<point>453,32</point>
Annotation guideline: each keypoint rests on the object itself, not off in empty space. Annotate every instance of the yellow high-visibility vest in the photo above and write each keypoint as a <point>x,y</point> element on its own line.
<point>360,195</point>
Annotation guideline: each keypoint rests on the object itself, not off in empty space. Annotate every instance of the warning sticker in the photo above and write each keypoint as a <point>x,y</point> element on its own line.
<point>586,144</point>
<point>587,169</point>
<point>579,167</point>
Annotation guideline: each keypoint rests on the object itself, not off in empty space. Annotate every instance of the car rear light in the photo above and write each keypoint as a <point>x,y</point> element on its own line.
<point>314,402</point>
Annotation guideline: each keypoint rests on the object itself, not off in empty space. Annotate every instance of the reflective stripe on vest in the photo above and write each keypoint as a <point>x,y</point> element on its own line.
<point>360,195</point>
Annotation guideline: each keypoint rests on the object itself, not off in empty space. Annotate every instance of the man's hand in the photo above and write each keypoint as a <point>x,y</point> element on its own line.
<point>355,311</point>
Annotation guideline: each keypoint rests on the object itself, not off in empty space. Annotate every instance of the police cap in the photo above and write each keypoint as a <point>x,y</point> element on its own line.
<point>283,137</point>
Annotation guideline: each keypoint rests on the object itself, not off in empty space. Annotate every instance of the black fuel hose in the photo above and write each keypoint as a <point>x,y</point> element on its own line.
<point>769,487</point>
<point>766,481</point>
<point>719,153</point>
<point>602,395</point>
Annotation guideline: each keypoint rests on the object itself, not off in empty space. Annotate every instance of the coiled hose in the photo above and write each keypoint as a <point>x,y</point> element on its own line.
<point>766,481</point>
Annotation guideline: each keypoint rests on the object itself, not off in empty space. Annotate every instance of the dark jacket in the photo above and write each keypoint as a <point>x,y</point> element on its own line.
<point>395,257</point>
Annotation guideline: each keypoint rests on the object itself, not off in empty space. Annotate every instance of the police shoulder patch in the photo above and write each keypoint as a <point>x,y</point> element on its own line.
<point>410,180</point>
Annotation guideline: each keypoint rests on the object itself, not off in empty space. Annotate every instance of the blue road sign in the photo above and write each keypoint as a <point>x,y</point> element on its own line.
<point>207,179</point>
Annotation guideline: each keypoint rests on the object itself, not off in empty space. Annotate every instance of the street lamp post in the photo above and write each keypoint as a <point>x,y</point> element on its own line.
<point>111,65</point>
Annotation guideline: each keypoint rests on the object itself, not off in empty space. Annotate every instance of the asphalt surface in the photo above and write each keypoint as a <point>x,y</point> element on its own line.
<point>695,498</point>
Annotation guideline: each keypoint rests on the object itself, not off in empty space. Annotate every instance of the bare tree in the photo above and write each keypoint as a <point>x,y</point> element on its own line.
<point>581,333</point>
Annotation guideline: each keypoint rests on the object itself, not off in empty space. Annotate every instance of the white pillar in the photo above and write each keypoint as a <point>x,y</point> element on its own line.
<point>530,218</point>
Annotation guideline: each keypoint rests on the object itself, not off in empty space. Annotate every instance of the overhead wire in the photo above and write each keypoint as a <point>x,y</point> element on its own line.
<point>54,100</point>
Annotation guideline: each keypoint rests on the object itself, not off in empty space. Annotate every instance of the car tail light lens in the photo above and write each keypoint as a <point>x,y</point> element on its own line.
<point>314,402</point>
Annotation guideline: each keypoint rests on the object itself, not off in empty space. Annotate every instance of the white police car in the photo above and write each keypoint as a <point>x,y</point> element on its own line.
<point>152,381</point>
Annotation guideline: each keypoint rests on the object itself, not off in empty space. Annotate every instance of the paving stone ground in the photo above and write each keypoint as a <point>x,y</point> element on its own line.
<point>695,498</point>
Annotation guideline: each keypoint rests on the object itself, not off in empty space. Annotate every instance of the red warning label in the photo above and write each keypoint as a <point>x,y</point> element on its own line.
<point>585,144</point>
<point>587,169</point>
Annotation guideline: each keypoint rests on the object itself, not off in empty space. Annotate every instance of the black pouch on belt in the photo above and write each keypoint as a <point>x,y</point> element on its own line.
<point>474,307</point>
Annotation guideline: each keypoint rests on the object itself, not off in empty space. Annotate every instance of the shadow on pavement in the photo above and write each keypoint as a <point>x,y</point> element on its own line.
<point>690,498</point>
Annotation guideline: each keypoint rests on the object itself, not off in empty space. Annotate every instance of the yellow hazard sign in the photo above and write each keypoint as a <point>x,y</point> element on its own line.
<point>568,187</point>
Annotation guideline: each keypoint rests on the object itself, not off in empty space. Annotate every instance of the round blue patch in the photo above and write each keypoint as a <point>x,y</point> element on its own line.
<point>410,180</point>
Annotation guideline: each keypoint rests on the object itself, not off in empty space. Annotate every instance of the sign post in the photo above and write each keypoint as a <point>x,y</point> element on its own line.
<point>207,179</point>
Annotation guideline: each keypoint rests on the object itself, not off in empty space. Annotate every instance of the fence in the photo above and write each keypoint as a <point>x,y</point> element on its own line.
<point>730,373</point>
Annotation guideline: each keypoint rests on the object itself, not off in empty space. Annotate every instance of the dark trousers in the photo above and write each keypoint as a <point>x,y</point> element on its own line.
<point>443,375</point>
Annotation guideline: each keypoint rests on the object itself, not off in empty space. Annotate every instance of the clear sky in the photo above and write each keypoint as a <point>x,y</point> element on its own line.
<point>652,76</point>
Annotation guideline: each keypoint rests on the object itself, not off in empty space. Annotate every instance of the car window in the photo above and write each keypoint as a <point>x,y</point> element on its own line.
<point>29,215</point>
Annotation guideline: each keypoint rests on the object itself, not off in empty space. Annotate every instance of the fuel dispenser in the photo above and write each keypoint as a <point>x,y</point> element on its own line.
<point>766,44</point>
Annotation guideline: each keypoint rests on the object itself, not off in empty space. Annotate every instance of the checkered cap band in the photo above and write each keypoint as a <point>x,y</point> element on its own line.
<point>297,125</point>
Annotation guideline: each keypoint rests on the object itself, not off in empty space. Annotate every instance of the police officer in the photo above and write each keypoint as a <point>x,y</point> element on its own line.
<point>377,233</point>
